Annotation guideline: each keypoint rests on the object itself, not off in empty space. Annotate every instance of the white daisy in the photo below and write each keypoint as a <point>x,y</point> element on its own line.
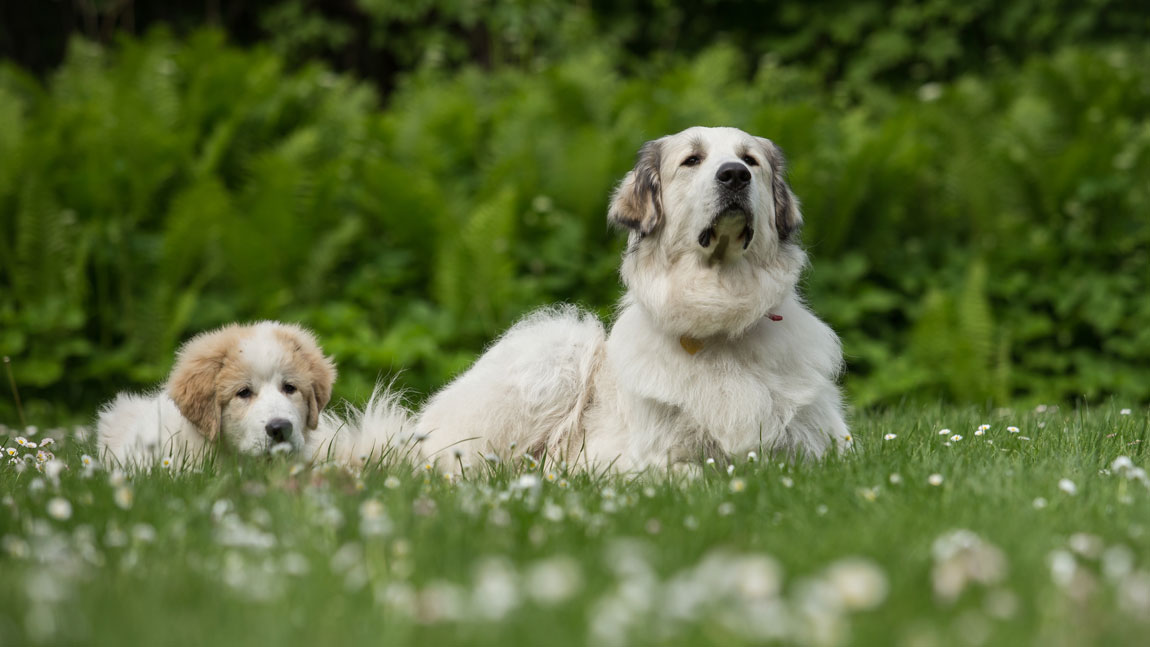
<point>59,509</point>
<point>934,479</point>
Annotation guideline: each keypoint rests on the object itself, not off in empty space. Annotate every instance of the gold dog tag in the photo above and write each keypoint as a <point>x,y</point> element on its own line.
<point>690,344</point>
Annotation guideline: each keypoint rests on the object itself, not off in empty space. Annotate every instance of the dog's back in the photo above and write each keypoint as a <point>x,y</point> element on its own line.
<point>524,395</point>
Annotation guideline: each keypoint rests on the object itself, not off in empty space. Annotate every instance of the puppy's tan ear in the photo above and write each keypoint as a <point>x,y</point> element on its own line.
<point>318,370</point>
<point>192,383</point>
<point>788,218</point>
<point>638,201</point>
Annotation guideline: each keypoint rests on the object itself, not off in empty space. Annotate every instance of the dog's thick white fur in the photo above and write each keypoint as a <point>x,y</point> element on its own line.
<point>713,353</point>
<point>251,387</point>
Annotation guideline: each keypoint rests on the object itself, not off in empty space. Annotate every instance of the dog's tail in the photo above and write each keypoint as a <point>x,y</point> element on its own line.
<point>381,432</point>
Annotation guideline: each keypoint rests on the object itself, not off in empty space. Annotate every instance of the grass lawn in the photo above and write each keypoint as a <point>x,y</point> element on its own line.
<point>1034,537</point>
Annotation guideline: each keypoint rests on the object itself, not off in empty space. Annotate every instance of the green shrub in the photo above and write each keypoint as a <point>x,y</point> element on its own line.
<point>982,240</point>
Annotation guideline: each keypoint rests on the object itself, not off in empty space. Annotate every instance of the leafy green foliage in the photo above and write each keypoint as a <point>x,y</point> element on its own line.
<point>981,240</point>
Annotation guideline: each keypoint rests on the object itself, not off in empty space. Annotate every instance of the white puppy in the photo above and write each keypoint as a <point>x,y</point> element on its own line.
<point>713,353</point>
<point>247,387</point>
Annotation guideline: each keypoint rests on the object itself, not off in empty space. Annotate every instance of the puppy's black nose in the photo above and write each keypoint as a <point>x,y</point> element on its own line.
<point>278,429</point>
<point>733,175</point>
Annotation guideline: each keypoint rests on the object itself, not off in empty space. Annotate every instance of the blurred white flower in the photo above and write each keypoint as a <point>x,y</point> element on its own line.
<point>962,557</point>
<point>391,482</point>
<point>59,509</point>
<point>1134,595</point>
<point>1087,545</point>
<point>1001,604</point>
<point>552,512</point>
<point>496,590</point>
<point>53,469</point>
<point>1124,412</point>
<point>929,92</point>
<point>1012,430</point>
<point>1067,486</point>
<point>955,438</point>
<point>859,583</point>
<point>895,478</point>
<point>943,432</point>
<point>984,427</point>
<point>787,481</point>
<point>440,601</point>
<point>373,519</point>
<point>1122,464</point>
<point>1039,503</point>
<point>738,485</point>
<point>1063,567</point>
<point>526,482</point>
<point>934,479</point>
<point>1117,562</point>
<point>144,533</point>
<point>234,533</point>
<point>553,580</point>
<point>124,497</point>
<point>890,437</point>
<point>166,462</point>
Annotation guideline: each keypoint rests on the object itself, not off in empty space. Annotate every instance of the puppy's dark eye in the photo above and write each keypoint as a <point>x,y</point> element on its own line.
<point>244,393</point>
<point>750,160</point>
<point>691,161</point>
<point>289,388</point>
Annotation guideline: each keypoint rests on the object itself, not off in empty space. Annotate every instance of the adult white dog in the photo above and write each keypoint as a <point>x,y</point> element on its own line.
<point>713,353</point>
<point>251,387</point>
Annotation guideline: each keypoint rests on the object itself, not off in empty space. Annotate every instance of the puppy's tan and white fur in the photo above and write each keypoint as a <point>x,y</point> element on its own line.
<point>713,353</point>
<point>250,387</point>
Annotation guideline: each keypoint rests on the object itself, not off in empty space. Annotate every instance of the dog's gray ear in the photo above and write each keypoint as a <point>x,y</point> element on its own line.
<point>788,218</point>
<point>318,370</point>
<point>192,383</point>
<point>638,200</point>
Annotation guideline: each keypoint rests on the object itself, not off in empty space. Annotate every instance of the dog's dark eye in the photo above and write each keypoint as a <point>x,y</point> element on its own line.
<point>750,160</point>
<point>244,393</point>
<point>691,161</point>
<point>289,388</point>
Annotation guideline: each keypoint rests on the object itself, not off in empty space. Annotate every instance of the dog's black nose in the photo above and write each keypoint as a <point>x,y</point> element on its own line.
<point>733,175</point>
<point>278,429</point>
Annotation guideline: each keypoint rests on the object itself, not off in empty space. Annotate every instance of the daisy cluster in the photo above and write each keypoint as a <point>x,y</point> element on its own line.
<point>1087,567</point>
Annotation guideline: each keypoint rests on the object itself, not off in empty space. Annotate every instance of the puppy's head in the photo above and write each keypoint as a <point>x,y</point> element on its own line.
<point>718,192</point>
<point>257,385</point>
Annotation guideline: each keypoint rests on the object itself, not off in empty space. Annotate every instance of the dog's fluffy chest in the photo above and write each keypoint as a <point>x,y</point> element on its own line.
<point>740,393</point>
